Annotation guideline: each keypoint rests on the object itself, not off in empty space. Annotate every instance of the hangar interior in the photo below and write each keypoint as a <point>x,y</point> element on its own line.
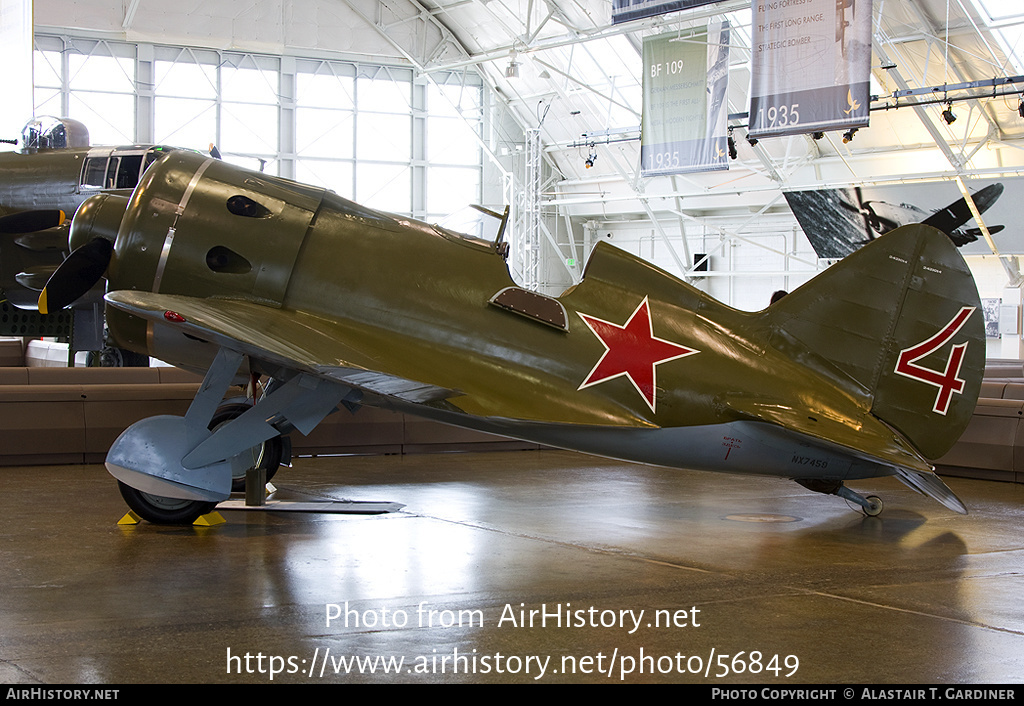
<point>420,107</point>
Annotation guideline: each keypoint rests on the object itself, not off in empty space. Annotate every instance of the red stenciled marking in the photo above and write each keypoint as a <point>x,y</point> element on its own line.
<point>948,381</point>
<point>730,443</point>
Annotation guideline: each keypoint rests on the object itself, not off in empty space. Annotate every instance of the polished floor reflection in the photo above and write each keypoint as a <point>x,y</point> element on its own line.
<point>739,580</point>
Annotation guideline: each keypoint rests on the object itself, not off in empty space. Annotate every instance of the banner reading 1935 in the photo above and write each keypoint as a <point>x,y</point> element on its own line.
<point>685,111</point>
<point>811,66</point>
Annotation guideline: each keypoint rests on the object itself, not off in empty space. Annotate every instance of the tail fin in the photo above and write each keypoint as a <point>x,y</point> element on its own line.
<point>900,322</point>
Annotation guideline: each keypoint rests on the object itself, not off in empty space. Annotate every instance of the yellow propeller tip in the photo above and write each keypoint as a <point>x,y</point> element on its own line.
<point>42,302</point>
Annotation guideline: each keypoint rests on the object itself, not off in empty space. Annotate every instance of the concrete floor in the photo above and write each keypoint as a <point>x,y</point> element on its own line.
<point>743,565</point>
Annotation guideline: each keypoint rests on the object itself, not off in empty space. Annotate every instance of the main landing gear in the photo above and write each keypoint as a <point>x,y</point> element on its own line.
<point>174,469</point>
<point>161,510</point>
<point>871,505</point>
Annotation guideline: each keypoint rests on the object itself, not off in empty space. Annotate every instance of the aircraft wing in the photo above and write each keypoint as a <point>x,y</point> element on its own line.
<point>959,212</point>
<point>282,337</point>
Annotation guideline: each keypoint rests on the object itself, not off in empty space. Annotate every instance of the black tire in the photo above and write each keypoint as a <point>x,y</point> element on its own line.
<point>163,511</point>
<point>268,454</point>
<point>111,357</point>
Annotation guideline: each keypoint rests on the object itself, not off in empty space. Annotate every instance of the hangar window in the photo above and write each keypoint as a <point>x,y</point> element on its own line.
<point>244,206</point>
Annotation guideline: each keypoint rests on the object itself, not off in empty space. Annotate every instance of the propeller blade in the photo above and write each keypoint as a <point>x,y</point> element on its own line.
<point>35,277</point>
<point>214,152</point>
<point>31,221</point>
<point>82,269</point>
<point>43,240</point>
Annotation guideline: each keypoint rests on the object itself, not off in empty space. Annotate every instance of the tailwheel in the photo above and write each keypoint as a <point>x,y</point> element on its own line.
<point>871,505</point>
<point>161,510</point>
<point>266,455</point>
<point>874,506</point>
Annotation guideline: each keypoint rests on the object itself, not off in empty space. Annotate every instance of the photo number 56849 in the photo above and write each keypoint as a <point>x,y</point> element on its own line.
<point>779,116</point>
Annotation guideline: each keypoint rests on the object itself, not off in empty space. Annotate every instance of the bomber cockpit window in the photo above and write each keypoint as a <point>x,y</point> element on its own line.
<point>244,206</point>
<point>94,172</point>
<point>155,153</point>
<point>123,172</point>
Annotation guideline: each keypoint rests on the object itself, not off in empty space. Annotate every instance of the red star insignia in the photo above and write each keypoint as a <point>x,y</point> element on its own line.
<point>632,350</point>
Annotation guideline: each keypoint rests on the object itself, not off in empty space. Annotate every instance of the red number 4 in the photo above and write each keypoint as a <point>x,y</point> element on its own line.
<point>948,381</point>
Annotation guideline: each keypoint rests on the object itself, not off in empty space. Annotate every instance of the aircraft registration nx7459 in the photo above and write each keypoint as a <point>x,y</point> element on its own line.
<point>870,369</point>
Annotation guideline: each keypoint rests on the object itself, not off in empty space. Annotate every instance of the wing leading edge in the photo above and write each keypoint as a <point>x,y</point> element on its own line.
<point>283,337</point>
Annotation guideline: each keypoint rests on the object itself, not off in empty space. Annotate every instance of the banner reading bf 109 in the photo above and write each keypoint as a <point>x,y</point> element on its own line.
<point>686,81</point>
<point>811,66</point>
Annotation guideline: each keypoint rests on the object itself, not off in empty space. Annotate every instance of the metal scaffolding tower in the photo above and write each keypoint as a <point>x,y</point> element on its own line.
<point>529,225</point>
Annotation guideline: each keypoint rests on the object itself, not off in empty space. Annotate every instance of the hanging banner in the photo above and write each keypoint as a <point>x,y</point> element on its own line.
<point>685,111</point>
<point>811,66</point>
<point>626,10</point>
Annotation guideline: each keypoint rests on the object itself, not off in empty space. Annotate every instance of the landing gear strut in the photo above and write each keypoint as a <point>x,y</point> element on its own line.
<point>871,505</point>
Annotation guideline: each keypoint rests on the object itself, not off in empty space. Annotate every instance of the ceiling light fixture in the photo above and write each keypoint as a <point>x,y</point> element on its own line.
<point>848,135</point>
<point>948,115</point>
<point>589,161</point>
<point>512,70</point>
<point>1020,108</point>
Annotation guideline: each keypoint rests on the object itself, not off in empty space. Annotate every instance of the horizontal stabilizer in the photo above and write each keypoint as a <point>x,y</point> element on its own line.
<point>865,438</point>
<point>932,486</point>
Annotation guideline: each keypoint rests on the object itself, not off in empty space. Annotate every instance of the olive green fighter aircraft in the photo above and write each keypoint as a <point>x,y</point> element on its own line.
<point>870,369</point>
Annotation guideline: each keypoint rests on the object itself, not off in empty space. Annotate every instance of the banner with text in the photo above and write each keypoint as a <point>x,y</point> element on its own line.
<point>685,111</point>
<point>811,66</point>
<point>626,10</point>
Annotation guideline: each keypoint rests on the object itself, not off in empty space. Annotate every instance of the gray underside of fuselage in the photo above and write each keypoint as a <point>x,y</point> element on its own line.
<point>747,447</point>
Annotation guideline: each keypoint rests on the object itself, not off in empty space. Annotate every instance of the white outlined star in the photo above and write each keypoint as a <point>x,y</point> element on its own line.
<point>632,350</point>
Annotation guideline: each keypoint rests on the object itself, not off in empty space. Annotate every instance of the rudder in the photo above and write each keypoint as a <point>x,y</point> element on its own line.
<point>899,322</point>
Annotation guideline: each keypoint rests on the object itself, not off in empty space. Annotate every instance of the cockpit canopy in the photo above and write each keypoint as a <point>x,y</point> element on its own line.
<point>480,225</point>
<point>476,222</point>
<point>49,133</point>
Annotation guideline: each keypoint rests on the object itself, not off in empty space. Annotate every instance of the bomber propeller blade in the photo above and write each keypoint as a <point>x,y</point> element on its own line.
<point>82,269</point>
<point>32,221</point>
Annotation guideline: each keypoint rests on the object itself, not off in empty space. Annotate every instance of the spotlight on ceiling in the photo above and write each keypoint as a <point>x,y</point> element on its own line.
<point>817,135</point>
<point>1020,108</point>
<point>948,115</point>
<point>591,158</point>
<point>512,70</point>
<point>848,135</point>
<point>751,140</point>
<point>732,148</point>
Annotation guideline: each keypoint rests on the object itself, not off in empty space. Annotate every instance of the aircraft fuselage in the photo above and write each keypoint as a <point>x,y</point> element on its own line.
<point>652,373</point>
